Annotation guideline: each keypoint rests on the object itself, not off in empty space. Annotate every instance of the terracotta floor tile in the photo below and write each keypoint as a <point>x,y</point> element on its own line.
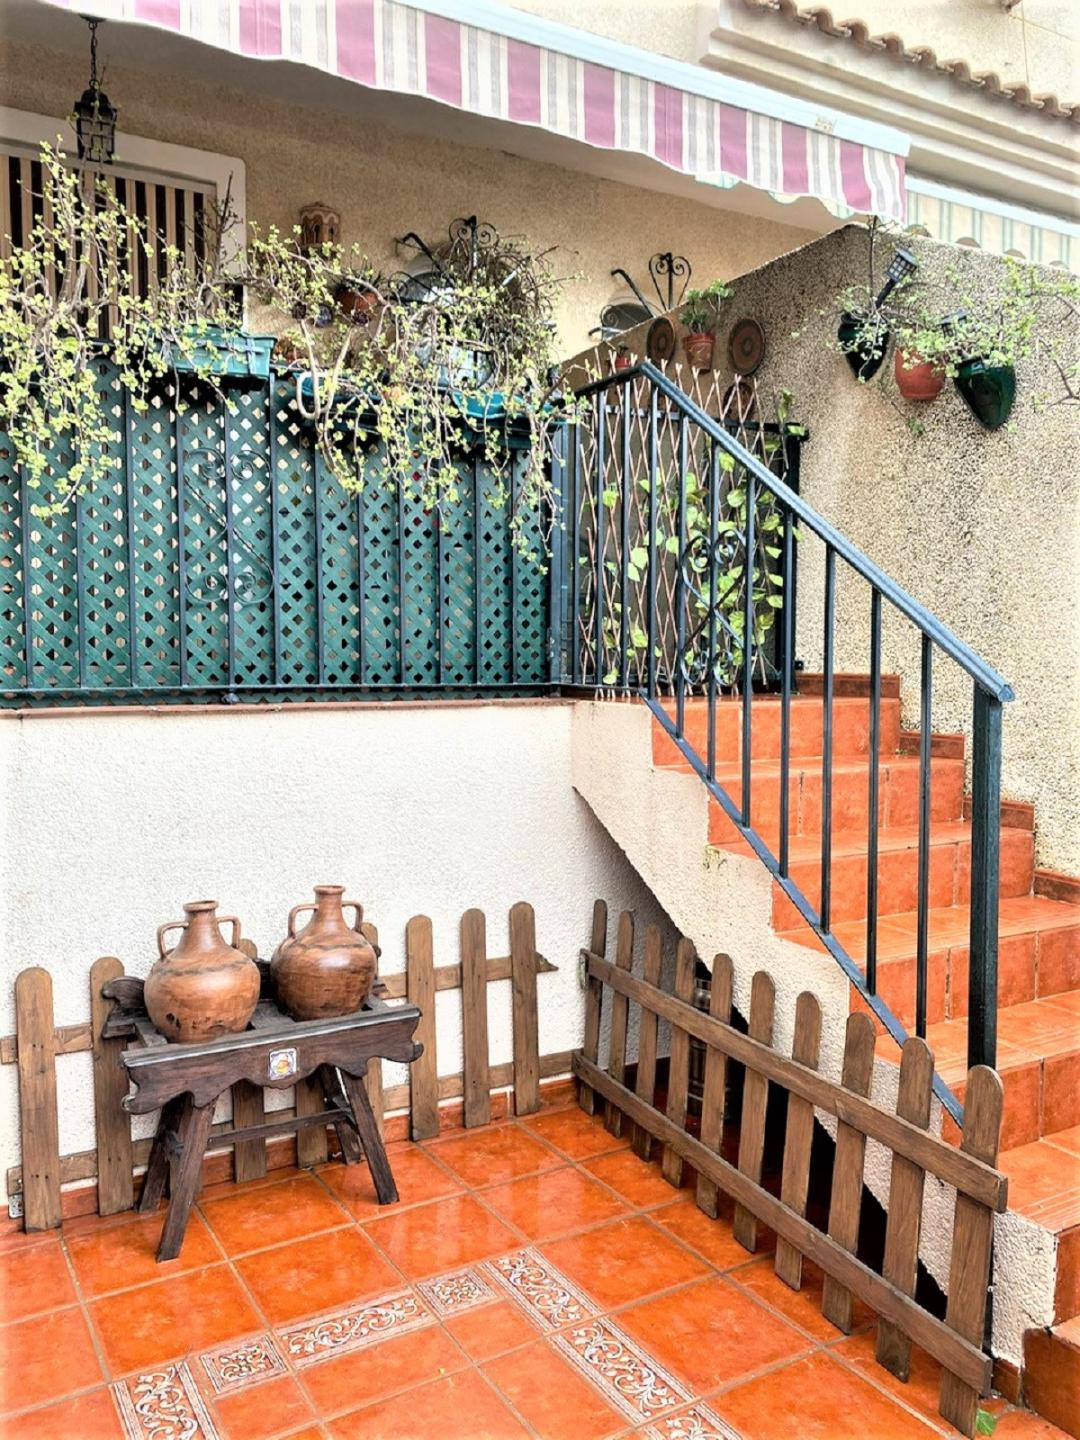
<point>441,1235</point>
<point>489,1330</point>
<point>920,1390</point>
<point>143,1327</point>
<point>801,1307</point>
<point>816,1398</point>
<point>554,1203</point>
<point>87,1417</point>
<point>488,1156</point>
<point>45,1360</point>
<point>709,1334</point>
<point>1028,1026</point>
<point>1070,1001</point>
<point>1025,1425</point>
<point>458,1407</point>
<point>34,1278</point>
<point>1061,1087</point>
<point>230,1187</point>
<point>256,1411</point>
<point>418,1176</point>
<point>1066,1139</point>
<point>639,1182</point>
<point>125,1255</point>
<point>712,1239</point>
<point>319,1274</point>
<point>575,1133</point>
<point>373,1374</point>
<point>1039,1172</point>
<point>1059,961</point>
<point>624,1261</point>
<point>552,1397</point>
<point>272,1214</point>
<point>310,1432</point>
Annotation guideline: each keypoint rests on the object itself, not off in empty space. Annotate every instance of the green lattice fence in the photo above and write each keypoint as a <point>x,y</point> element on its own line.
<point>223,560</point>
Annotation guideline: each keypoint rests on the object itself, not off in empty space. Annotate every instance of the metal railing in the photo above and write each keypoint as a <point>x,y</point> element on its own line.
<point>223,562</point>
<point>681,536</point>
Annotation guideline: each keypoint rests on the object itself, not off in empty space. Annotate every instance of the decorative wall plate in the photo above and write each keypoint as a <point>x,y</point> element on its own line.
<point>746,346</point>
<point>660,341</point>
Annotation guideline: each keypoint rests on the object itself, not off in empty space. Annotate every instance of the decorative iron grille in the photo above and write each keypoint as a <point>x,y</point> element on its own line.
<point>224,561</point>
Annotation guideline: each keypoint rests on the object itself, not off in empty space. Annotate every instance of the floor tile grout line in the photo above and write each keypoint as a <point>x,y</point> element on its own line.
<point>867,1376</point>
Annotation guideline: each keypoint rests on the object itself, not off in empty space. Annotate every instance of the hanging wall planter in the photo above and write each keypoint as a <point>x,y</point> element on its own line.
<point>917,379</point>
<point>220,351</point>
<point>698,346</point>
<point>987,390</point>
<point>864,350</point>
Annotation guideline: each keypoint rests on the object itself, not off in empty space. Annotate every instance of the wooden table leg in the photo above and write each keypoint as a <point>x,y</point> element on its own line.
<point>378,1164</point>
<point>173,1113</point>
<point>346,1135</point>
<point>186,1180</point>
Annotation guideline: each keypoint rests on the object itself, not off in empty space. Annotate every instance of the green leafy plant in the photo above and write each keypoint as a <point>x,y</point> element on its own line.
<point>701,307</point>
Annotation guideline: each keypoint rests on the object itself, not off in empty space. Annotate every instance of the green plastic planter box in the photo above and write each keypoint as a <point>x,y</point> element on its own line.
<point>229,352</point>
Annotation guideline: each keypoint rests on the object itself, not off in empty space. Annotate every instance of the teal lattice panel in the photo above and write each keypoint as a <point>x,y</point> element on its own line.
<point>457,584</point>
<point>530,590</point>
<point>102,550</point>
<point>153,518</point>
<point>382,592</point>
<point>295,595</point>
<point>249,538</point>
<point>339,582</point>
<point>206,631</point>
<point>12,621</point>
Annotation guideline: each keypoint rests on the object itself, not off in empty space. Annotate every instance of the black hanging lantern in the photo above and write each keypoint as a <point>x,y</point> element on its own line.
<point>94,116</point>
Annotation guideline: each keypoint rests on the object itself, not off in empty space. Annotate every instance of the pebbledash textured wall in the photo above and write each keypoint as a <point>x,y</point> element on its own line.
<point>386,182</point>
<point>983,528</point>
<point>109,821</point>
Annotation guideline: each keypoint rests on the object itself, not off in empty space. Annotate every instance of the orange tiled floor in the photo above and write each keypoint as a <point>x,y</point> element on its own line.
<point>537,1280</point>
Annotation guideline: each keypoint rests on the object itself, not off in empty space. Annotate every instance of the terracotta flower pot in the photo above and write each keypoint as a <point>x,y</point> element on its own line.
<point>357,305</point>
<point>203,988</point>
<point>623,362</point>
<point>920,381</point>
<point>698,347</point>
<point>329,967</point>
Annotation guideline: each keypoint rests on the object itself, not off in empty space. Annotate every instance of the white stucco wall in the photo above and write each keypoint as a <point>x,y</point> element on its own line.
<point>114,819</point>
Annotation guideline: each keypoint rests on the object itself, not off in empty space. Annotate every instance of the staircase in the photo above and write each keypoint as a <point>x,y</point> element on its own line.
<point>807,833</point>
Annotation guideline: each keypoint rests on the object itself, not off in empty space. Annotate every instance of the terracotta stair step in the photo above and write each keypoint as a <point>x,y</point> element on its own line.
<point>1038,956</point>
<point>1052,1375</point>
<point>898,871</point>
<point>850,730</point>
<point>1044,1185</point>
<point>898,804</point>
<point>1038,1061</point>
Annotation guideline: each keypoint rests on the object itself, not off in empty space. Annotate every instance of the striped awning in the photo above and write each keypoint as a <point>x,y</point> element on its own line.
<point>490,60</point>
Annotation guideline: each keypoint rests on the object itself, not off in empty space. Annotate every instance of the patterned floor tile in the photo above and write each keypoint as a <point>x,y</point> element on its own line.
<point>164,1404</point>
<point>549,1297</point>
<point>621,1369</point>
<point>452,1294</point>
<point>247,1362</point>
<point>354,1328</point>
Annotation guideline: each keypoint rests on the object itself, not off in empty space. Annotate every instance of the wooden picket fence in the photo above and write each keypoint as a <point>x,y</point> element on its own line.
<point>981,1191</point>
<point>37,1044</point>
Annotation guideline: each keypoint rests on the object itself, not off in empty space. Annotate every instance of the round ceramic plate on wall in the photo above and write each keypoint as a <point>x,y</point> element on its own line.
<point>660,341</point>
<point>746,346</point>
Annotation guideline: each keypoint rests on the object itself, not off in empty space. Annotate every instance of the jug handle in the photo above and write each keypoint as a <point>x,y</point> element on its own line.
<point>234,921</point>
<point>355,905</point>
<point>292,917</point>
<point>163,930</point>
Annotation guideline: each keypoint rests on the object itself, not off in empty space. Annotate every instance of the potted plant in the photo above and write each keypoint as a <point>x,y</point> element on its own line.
<point>699,313</point>
<point>920,360</point>
<point>623,359</point>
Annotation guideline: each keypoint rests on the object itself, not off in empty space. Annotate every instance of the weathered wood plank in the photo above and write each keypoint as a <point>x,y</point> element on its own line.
<point>373,1079</point>
<point>593,997</point>
<point>248,1109</point>
<point>799,1134</point>
<point>67,1040</point>
<point>448,977</point>
<point>973,1234</point>
<point>714,1093</point>
<point>647,1030</point>
<point>474,1015</point>
<point>893,1348</point>
<point>525,1017</point>
<point>937,1157</point>
<point>423,1073</point>
<point>312,1147</point>
<point>620,1014</point>
<point>755,1103</point>
<point>932,1335</point>
<point>845,1204</point>
<point>38,1121</point>
<point>186,1180</point>
<point>679,1063</point>
<point>112,1124</point>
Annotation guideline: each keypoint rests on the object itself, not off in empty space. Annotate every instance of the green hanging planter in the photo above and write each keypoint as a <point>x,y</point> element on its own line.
<point>987,390</point>
<point>863,355</point>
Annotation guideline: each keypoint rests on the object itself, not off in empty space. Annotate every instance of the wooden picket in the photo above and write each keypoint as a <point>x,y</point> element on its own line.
<point>981,1191</point>
<point>37,1044</point>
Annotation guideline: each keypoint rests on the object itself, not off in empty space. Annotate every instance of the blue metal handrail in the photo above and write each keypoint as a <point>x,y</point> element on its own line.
<point>989,688</point>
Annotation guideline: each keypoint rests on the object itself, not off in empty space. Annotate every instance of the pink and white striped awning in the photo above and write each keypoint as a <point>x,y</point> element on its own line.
<point>516,68</point>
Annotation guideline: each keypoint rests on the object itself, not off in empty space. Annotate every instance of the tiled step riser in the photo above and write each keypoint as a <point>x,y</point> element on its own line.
<point>850,730</point>
<point>898,879</point>
<point>898,799</point>
<point>1041,1097</point>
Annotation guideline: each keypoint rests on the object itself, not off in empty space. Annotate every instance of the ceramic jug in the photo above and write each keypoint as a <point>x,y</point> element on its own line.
<point>204,987</point>
<point>329,967</point>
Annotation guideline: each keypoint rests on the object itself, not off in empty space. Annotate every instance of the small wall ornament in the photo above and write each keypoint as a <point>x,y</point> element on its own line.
<point>319,225</point>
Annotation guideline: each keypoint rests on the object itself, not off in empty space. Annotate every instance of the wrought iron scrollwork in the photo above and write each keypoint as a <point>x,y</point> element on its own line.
<point>206,485</point>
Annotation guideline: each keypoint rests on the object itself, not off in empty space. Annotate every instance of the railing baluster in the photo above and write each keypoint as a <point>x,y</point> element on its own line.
<point>624,507</point>
<point>714,520</point>
<point>748,644</point>
<point>680,588</point>
<point>874,793</point>
<point>923,901</point>
<point>786,663</point>
<point>653,473</point>
<point>827,738</point>
<point>601,538</point>
<point>985,879</point>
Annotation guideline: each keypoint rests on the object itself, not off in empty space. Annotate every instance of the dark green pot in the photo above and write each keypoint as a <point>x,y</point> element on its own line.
<point>865,360</point>
<point>988,391</point>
